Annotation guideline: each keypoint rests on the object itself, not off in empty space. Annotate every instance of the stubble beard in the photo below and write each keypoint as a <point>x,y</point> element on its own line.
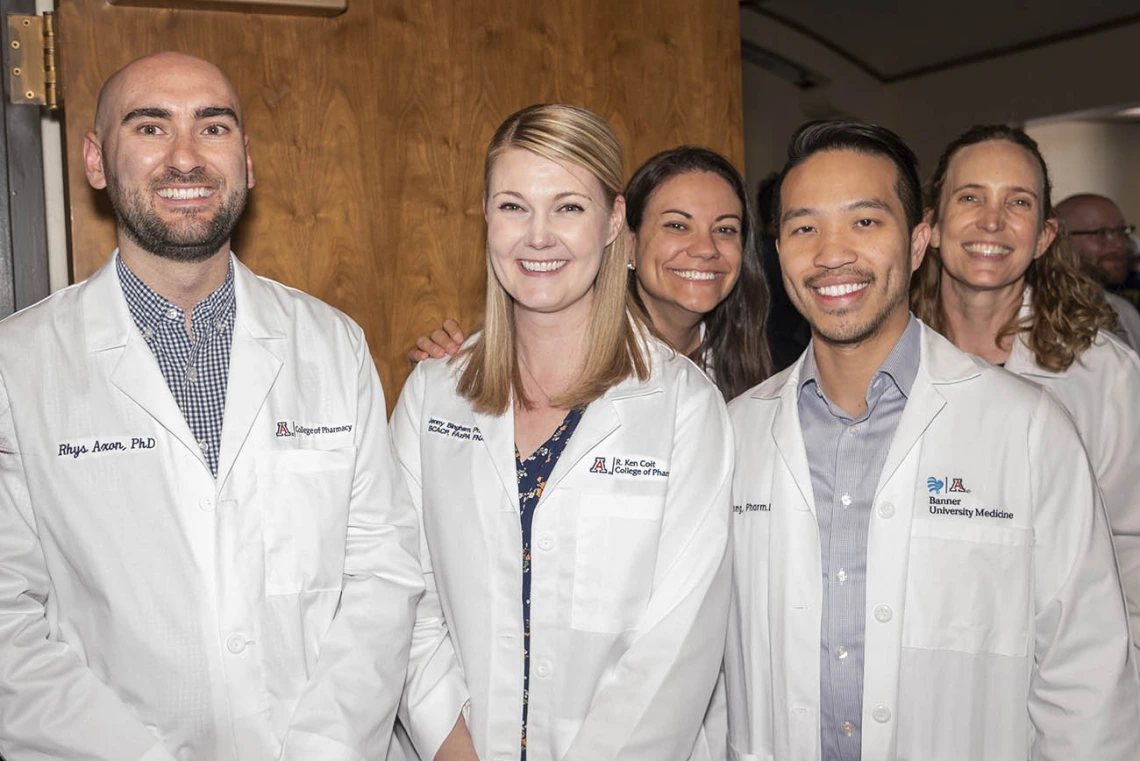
<point>192,242</point>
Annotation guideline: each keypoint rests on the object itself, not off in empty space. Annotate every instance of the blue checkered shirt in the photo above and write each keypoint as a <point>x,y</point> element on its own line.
<point>846,461</point>
<point>195,368</point>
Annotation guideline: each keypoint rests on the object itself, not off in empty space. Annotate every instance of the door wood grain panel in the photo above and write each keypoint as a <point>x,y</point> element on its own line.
<point>368,129</point>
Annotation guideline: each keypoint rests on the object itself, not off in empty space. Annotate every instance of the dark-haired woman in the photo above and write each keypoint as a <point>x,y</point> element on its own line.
<point>696,270</point>
<point>1002,283</point>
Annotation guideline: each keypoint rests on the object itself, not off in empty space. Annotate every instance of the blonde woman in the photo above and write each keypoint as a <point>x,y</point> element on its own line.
<point>1001,283</point>
<point>572,476</point>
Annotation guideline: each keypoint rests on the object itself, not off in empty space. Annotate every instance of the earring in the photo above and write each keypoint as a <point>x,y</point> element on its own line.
<point>630,266</point>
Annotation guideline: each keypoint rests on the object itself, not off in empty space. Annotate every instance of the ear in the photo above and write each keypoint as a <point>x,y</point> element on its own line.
<point>935,229</point>
<point>633,248</point>
<point>617,219</point>
<point>249,181</point>
<point>920,238</point>
<point>93,161</point>
<point>1047,236</point>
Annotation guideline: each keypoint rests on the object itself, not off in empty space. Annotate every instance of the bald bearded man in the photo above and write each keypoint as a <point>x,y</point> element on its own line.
<point>204,552</point>
<point>1104,241</point>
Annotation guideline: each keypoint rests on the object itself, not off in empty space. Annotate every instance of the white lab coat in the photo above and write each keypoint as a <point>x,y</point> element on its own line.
<point>1128,320</point>
<point>1101,392</point>
<point>630,571</point>
<point>150,612</point>
<point>995,636</point>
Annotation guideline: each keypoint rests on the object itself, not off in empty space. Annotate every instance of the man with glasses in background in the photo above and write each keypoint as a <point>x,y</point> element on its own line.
<point>1104,241</point>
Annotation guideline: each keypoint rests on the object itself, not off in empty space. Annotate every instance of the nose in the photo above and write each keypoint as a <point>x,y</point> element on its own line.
<point>704,246</point>
<point>539,233</point>
<point>991,218</point>
<point>184,153</point>
<point>834,251</point>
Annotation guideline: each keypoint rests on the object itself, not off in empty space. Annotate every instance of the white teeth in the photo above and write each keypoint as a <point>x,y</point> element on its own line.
<point>987,249</point>
<point>551,266</point>
<point>183,194</point>
<point>695,274</point>
<point>840,290</point>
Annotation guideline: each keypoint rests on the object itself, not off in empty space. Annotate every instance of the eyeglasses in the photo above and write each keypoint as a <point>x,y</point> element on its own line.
<point>1108,233</point>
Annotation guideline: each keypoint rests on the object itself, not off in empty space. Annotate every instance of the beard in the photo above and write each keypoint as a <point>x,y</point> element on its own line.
<point>853,332</point>
<point>192,241</point>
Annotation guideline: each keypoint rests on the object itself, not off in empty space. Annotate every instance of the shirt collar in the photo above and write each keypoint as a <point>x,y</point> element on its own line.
<point>900,367</point>
<point>149,309</point>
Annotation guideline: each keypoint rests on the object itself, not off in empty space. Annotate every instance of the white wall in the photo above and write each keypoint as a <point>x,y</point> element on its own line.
<point>1093,157</point>
<point>1090,72</point>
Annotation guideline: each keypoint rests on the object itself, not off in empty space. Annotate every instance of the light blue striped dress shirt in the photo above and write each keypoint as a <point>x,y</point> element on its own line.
<point>846,458</point>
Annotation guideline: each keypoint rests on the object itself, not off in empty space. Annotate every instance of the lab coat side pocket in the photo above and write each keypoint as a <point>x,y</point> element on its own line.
<point>304,496</point>
<point>968,588</point>
<point>616,554</point>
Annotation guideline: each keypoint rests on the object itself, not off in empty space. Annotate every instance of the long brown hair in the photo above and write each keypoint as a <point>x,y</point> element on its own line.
<point>491,373</point>
<point>736,329</point>
<point>1067,308</point>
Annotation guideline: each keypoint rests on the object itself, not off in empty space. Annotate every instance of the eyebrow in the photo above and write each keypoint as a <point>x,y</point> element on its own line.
<point>863,203</point>
<point>687,215</point>
<point>558,197</point>
<point>976,186</point>
<point>151,112</point>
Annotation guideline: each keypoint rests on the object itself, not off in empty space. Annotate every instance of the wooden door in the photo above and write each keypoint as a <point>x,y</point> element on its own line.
<point>368,129</point>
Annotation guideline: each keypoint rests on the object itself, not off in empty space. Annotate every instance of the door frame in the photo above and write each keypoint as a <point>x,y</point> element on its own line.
<point>23,217</point>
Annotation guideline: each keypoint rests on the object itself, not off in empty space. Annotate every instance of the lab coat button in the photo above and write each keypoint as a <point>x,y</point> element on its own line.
<point>883,613</point>
<point>887,510</point>
<point>546,542</point>
<point>235,643</point>
<point>881,714</point>
<point>206,504</point>
<point>542,668</point>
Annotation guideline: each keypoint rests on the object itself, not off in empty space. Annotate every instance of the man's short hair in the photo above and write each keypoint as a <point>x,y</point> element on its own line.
<point>860,137</point>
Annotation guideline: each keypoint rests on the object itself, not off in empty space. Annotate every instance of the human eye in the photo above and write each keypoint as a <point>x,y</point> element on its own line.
<point>675,225</point>
<point>571,207</point>
<point>1024,203</point>
<point>728,230</point>
<point>866,222</point>
<point>509,206</point>
<point>217,130</point>
<point>802,230</point>
<point>149,129</point>
<point>967,198</point>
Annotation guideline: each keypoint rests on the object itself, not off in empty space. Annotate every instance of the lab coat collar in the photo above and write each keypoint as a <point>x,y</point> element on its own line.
<point>601,418</point>
<point>254,359</point>
<point>941,364</point>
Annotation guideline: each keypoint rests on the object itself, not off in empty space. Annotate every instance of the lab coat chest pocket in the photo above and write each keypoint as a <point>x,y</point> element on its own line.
<point>616,554</point>
<point>304,496</point>
<point>969,587</point>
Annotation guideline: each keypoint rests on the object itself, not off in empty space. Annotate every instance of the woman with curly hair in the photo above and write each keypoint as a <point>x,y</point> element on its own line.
<point>1002,282</point>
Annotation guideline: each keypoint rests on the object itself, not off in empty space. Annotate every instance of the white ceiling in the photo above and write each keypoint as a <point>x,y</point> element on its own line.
<point>894,39</point>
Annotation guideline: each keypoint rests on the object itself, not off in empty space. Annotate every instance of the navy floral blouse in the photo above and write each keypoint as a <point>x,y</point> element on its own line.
<point>533,473</point>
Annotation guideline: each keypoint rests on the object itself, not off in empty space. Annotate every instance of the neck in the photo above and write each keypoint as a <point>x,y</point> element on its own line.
<point>680,327</point>
<point>551,349</point>
<point>975,318</point>
<point>183,284</point>
<point>846,370</point>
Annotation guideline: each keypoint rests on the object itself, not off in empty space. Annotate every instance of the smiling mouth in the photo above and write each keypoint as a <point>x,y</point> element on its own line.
<point>987,249</point>
<point>839,290</point>
<point>696,275</point>
<point>185,193</point>
<point>548,266</point>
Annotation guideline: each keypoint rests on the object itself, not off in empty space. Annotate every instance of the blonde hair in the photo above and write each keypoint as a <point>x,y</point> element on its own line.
<point>568,135</point>
<point>1067,308</point>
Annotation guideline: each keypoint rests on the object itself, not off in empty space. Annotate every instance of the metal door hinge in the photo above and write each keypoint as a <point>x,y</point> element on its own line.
<point>32,61</point>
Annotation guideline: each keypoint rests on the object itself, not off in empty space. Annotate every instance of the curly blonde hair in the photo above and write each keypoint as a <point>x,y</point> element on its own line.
<point>1067,308</point>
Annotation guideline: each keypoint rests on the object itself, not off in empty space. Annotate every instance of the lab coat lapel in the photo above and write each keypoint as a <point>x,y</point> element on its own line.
<point>598,421</point>
<point>135,372</point>
<point>254,364</point>
<point>789,438</point>
<point>498,432</point>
